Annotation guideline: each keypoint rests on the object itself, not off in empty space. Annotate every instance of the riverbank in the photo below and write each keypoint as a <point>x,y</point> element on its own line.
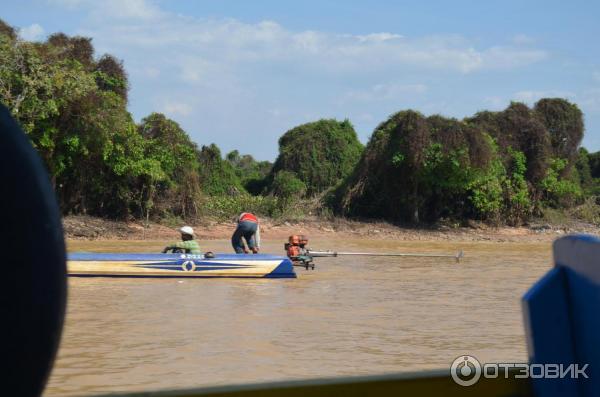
<point>91,228</point>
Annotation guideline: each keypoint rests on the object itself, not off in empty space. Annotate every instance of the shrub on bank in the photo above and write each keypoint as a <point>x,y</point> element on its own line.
<point>225,208</point>
<point>496,166</point>
<point>320,154</point>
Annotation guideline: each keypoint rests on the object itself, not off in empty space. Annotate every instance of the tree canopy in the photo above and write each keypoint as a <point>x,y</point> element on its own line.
<point>497,166</point>
<point>321,153</point>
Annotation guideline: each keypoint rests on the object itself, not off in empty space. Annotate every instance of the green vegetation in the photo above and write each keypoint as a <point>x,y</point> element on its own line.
<point>251,173</point>
<point>73,109</point>
<point>217,176</point>
<point>416,168</point>
<point>500,167</point>
<point>320,154</point>
<point>174,185</point>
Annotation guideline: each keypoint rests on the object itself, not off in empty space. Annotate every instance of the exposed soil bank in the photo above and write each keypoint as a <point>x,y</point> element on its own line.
<point>85,227</point>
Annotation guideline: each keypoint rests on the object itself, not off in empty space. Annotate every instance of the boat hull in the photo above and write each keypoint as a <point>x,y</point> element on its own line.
<point>178,266</point>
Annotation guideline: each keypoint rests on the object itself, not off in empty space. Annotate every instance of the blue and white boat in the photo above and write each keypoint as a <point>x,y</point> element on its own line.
<point>179,265</point>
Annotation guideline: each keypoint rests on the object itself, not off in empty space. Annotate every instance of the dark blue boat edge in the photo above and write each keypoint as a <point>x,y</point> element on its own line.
<point>271,275</point>
<point>135,257</point>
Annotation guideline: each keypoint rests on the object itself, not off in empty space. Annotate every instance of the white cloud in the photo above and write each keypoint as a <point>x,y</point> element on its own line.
<point>511,57</point>
<point>596,76</point>
<point>377,37</point>
<point>495,102</point>
<point>121,9</point>
<point>590,100</point>
<point>176,109</point>
<point>530,97</point>
<point>365,117</point>
<point>138,9</point>
<point>69,4</point>
<point>229,40</point>
<point>151,72</point>
<point>309,40</point>
<point>523,39</point>
<point>384,92</point>
<point>198,70</point>
<point>32,32</point>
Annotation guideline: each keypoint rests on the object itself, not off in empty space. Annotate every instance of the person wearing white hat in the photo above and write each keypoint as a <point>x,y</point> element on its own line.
<point>187,244</point>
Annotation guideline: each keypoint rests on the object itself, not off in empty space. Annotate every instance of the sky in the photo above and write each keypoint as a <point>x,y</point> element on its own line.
<point>242,73</point>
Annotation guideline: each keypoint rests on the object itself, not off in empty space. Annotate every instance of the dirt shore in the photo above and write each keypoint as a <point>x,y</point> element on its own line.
<point>90,228</point>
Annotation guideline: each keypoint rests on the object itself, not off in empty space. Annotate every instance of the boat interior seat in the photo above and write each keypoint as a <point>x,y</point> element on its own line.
<point>562,319</point>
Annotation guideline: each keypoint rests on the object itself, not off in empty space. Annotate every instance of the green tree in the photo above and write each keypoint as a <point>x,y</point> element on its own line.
<point>564,123</point>
<point>217,176</point>
<point>582,166</point>
<point>594,160</point>
<point>321,153</point>
<point>420,169</point>
<point>518,128</point>
<point>252,174</point>
<point>287,186</point>
<point>111,76</point>
<point>560,191</point>
<point>74,111</point>
<point>169,145</point>
<point>41,93</point>
<point>102,150</point>
<point>517,199</point>
<point>7,31</point>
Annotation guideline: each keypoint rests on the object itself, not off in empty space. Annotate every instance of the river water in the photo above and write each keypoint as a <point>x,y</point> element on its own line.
<point>350,316</point>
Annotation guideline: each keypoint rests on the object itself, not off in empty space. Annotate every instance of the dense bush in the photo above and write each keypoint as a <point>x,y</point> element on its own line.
<point>588,171</point>
<point>321,153</point>
<point>226,208</point>
<point>287,186</point>
<point>217,176</point>
<point>415,168</point>
<point>594,163</point>
<point>252,174</point>
<point>560,192</point>
<point>176,188</point>
<point>75,126</point>
<point>518,128</point>
<point>564,123</point>
<point>7,32</point>
<point>498,166</point>
<point>111,76</point>
<point>73,108</point>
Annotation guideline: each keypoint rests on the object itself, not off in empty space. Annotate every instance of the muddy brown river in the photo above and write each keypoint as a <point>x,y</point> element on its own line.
<point>350,316</point>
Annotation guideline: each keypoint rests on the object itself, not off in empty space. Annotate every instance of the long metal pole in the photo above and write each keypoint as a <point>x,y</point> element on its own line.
<point>456,256</point>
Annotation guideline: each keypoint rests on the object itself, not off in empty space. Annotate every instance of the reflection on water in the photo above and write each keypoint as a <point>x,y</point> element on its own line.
<point>351,316</point>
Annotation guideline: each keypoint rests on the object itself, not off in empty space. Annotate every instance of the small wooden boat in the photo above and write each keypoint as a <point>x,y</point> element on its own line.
<point>212,265</point>
<point>178,265</point>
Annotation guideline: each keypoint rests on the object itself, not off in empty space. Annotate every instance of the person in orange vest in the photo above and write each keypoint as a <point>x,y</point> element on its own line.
<point>249,230</point>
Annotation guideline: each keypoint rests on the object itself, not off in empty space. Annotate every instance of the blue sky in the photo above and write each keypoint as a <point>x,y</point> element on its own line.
<point>241,73</point>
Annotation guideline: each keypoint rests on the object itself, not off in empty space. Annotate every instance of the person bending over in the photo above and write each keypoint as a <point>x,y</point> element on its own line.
<point>249,230</point>
<point>187,243</point>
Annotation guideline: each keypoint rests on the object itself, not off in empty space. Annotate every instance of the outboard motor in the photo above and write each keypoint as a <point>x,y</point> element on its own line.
<point>296,245</point>
<point>297,251</point>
